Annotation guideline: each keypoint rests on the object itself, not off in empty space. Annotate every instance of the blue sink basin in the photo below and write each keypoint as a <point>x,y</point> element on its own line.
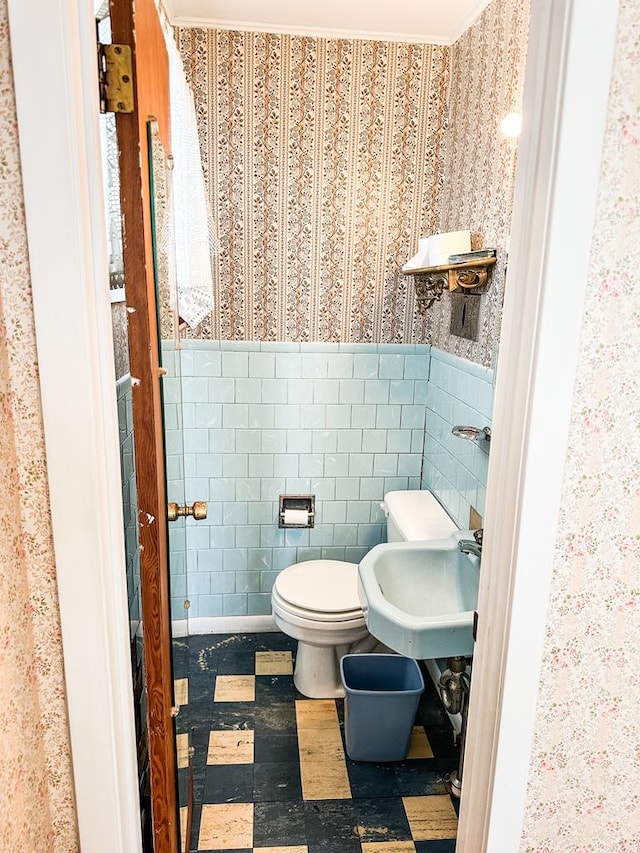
<point>418,598</point>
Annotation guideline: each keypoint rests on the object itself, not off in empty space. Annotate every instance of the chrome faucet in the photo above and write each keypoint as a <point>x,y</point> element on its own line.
<point>467,546</point>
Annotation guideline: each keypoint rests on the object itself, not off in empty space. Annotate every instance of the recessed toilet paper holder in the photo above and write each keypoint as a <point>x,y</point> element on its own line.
<point>297,511</point>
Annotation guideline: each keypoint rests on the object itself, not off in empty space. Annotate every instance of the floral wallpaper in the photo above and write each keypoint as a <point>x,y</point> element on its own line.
<point>583,790</point>
<point>324,165</point>
<point>36,785</point>
<point>478,176</point>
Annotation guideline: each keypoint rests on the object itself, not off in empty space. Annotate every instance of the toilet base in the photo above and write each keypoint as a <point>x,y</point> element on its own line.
<point>317,670</point>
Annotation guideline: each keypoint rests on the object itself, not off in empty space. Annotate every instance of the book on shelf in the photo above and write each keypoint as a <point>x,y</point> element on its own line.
<point>477,255</point>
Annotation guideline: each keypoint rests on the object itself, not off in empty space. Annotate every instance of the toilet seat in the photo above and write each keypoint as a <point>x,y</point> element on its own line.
<point>301,616</point>
<point>319,590</point>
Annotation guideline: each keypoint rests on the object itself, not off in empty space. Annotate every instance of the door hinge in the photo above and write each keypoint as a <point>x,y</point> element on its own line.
<point>115,78</point>
<point>475,625</point>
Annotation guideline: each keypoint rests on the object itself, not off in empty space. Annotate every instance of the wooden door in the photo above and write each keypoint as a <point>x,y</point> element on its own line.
<point>137,24</point>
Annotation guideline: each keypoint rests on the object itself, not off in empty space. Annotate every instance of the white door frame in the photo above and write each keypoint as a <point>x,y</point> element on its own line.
<point>55,69</point>
<point>566,92</point>
<point>565,109</point>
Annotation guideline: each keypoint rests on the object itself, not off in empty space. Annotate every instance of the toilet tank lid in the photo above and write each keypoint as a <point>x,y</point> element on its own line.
<point>418,515</point>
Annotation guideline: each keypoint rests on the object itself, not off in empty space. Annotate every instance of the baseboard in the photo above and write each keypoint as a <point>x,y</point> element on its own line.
<point>222,625</point>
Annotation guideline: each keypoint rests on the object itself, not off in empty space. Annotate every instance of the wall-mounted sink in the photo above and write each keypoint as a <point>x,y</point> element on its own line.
<point>418,598</point>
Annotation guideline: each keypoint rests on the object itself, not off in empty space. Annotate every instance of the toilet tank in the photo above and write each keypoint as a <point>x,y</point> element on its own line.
<point>416,515</point>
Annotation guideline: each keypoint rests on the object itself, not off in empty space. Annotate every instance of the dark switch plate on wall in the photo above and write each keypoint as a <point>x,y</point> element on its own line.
<point>465,315</point>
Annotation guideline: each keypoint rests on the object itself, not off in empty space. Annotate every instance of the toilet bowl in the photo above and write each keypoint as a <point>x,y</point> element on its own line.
<point>316,602</point>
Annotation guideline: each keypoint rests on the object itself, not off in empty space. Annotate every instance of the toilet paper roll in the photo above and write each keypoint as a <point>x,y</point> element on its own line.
<point>295,516</point>
<point>421,259</point>
<point>443,245</point>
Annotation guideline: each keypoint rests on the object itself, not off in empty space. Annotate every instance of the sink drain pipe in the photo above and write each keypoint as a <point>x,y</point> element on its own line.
<point>454,692</point>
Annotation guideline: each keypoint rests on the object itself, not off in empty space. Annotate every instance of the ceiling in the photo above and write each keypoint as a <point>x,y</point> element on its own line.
<point>430,21</point>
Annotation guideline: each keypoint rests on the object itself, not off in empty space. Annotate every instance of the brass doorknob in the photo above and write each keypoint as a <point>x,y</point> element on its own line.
<point>198,510</point>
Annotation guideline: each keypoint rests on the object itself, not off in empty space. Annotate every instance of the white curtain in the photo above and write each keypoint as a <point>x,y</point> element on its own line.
<point>195,237</point>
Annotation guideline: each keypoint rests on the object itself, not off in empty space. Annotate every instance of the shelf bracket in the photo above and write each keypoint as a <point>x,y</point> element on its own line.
<point>431,282</point>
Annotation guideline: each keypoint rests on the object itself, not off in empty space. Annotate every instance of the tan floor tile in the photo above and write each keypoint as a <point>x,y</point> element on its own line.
<point>183,829</point>
<point>182,750</point>
<point>226,826</point>
<point>230,747</point>
<point>181,691</point>
<point>316,714</point>
<point>321,748</point>
<point>274,663</point>
<point>323,770</point>
<point>324,780</point>
<point>388,847</point>
<point>235,688</point>
<point>300,849</point>
<point>431,817</point>
<point>419,746</point>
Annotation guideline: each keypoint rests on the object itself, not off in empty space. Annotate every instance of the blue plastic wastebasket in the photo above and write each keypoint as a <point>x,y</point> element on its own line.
<point>382,693</point>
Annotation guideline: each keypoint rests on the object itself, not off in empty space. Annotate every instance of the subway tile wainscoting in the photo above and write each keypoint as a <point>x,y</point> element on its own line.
<point>246,422</point>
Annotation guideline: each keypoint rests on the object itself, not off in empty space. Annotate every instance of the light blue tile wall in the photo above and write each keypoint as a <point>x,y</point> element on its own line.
<point>455,470</point>
<point>343,422</point>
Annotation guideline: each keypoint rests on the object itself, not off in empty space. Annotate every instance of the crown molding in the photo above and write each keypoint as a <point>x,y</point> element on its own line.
<point>313,32</point>
<point>470,20</point>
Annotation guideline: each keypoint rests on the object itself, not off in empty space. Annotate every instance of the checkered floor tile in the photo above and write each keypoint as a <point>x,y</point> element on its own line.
<point>270,769</point>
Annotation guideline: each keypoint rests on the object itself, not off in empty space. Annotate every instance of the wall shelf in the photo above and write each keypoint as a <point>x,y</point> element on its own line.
<point>431,282</point>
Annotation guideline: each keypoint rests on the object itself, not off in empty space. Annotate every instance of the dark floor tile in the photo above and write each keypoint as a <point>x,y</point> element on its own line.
<point>330,846</point>
<point>211,642</point>
<point>199,777</point>
<point>228,783</point>
<point>199,740</point>
<point>455,801</point>
<point>183,786</point>
<point>441,740</point>
<point>203,660</point>
<point>441,846</point>
<point>180,657</point>
<point>183,724</point>
<point>200,703</point>
<point>274,641</point>
<point>276,782</point>
<point>232,662</point>
<point>419,777</point>
<point>275,688</point>
<point>278,824</point>
<point>203,664</point>
<point>371,780</point>
<point>195,824</point>
<point>224,849</point>
<point>330,821</point>
<point>269,748</point>
<point>232,715</point>
<point>382,819</point>
<point>222,643</point>
<point>278,718</point>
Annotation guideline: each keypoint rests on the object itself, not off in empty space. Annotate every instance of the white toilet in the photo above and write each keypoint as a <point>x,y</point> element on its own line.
<point>316,602</point>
